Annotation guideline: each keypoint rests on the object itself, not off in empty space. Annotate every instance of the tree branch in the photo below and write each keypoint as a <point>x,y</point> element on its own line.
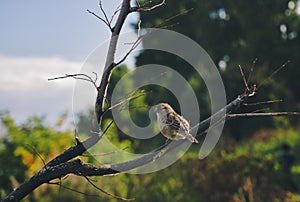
<point>100,18</point>
<point>247,115</point>
<point>110,60</point>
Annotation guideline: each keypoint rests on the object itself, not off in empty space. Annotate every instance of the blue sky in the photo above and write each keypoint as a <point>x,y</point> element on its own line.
<point>43,39</point>
<point>52,28</point>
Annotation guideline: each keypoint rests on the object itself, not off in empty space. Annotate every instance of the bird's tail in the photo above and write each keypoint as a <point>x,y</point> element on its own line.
<point>192,139</point>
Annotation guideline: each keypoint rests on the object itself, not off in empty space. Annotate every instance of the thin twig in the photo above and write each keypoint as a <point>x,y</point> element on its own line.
<point>246,115</point>
<point>114,14</point>
<point>97,16</point>
<point>35,151</point>
<point>105,154</point>
<point>119,104</point>
<point>84,77</point>
<point>104,13</point>
<point>140,37</point>
<point>263,110</point>
<point>142,8</point>
<point>74,190</point>
<point>126,100</point>
<point>244,78</point>
<point>173,17</point>
<point>263,102</point>
<point>109,125</point>
<point>233,116</point>
<point>274,73</point>
<point>169,26</point>
<point>105,192</point>
<point>133,47</point>
<point>251,70</point>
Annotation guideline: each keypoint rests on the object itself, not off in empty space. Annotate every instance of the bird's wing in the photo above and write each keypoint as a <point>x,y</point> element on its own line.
<point>185,123</point>
<point>173,121</point>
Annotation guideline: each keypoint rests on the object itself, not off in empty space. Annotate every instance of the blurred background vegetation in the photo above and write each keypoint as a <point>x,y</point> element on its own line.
<point>244,166</point>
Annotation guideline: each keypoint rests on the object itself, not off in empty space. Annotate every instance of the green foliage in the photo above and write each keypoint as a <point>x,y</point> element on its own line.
<point>234,171</point>
<point>24,146</point>
<point>11,166</point>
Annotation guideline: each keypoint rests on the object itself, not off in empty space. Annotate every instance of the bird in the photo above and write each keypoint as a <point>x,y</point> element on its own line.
<point>172,125</point>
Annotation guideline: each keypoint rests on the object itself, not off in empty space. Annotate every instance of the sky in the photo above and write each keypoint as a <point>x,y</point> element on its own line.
<point>41,40</point>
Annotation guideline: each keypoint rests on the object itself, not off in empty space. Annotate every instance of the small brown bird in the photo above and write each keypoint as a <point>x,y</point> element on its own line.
<point>172,125</point>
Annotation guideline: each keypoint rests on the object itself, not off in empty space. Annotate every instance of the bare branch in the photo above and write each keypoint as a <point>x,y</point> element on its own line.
<point>233,116</point>
<point>173,17</point>
<point>263,102</point>
<point>244,78</point>
<point>83,77</point>
<point>105,192</point>
<point>104,13</point>
<point>35,151</point>
<point>73,190</point>
<point>261,110</point>
<point>105,154</point>
<point>251,70</point>
<point>143,8</point>
<point>100,18</point>
<point>125,101</point>
<point>232,106</point>
<point>134,46</point>
<point>140,37</point>
<point>110,60</point>
<point>274,73</point>
<point>114,15</point>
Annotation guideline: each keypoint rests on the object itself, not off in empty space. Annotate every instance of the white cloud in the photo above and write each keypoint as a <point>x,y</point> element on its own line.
<point>31,73</point>
<point>25,89</point>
